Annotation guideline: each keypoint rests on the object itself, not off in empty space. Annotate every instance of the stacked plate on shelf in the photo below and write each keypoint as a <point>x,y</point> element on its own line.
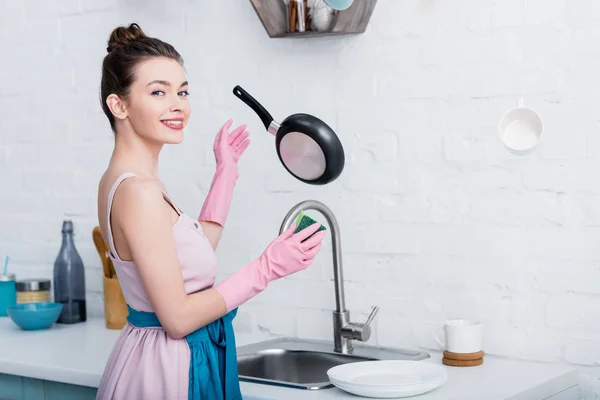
<point>388,378</point>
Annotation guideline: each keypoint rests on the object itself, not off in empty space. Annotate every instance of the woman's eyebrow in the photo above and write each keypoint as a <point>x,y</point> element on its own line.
<point>166,83</point>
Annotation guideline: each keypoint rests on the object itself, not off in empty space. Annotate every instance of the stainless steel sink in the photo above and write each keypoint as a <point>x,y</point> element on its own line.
<point>303,364</point>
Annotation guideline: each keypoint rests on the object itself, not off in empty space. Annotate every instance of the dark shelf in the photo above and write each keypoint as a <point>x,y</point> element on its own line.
<point>273,15</point>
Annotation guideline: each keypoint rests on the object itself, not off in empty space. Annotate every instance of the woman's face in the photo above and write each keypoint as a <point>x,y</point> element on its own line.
<point>157,105</point>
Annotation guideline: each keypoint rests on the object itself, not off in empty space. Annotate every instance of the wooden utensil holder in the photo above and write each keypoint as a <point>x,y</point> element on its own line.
<point>115,307</point>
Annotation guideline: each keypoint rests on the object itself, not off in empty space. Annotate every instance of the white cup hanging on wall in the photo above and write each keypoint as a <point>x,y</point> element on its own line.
<point>521,128</point>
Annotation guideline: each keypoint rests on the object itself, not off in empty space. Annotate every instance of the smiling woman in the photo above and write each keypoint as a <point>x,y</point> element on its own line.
<point>178,341</point>
<point>134,55</point>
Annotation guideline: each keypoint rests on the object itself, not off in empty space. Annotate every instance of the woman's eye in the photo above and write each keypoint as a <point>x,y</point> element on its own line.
<point>184,93</point>
<point>158,93</point>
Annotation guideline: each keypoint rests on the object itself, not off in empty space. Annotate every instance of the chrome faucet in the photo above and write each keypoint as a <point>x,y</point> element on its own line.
<point>343,330</point>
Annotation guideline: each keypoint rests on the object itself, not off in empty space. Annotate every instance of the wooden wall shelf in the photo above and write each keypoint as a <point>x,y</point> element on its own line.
<point>274,17</point>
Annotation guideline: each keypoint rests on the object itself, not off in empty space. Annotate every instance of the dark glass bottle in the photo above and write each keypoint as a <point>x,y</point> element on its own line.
<point>69,279</point>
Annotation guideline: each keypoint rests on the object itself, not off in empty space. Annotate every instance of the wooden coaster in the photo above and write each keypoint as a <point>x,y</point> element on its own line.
<point>463,356</point>
<point>461,363</point>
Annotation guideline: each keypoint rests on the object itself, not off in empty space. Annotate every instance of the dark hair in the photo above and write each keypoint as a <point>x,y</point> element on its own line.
<point>128,46</point>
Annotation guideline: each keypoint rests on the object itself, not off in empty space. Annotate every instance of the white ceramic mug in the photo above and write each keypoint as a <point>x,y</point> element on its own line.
<point>461,336</point>
<point>521,128</point>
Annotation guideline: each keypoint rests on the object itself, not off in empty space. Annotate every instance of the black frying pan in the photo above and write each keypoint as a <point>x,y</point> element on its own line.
<point>307,147</point>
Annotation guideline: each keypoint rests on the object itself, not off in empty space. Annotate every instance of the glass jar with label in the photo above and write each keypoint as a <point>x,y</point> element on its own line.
<point>33,291</point>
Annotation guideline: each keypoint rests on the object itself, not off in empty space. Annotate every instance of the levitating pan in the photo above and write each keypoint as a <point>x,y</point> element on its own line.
<point>307,147</point>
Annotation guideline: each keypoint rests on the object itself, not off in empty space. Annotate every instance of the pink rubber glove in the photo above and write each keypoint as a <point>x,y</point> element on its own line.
<point>284,256</point>
<point>228,148</point>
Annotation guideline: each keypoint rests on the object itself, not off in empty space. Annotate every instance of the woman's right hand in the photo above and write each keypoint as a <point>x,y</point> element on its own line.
<point>289,253</point>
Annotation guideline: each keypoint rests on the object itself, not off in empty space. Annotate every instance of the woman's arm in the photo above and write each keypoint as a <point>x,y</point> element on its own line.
<point>146,225</point>
<point>228,148</point>
<point>216,206</point>
<point>212,231</point>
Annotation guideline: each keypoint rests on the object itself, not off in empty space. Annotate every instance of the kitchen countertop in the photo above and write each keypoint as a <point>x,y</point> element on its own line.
<point>76,354</point>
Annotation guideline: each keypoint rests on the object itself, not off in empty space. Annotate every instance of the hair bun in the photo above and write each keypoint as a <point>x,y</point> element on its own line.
<point>121,36</point>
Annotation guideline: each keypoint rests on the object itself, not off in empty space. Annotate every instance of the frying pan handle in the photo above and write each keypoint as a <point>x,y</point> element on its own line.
<point>264,115</point>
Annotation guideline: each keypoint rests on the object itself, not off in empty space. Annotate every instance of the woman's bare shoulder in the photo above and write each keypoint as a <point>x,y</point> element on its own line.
<point>135,195</point>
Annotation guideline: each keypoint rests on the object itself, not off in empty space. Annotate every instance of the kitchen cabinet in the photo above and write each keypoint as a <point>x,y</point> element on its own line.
<point>13,387</point>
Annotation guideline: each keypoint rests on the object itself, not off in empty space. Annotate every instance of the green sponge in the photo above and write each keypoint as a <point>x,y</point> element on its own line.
<point>304,221</point>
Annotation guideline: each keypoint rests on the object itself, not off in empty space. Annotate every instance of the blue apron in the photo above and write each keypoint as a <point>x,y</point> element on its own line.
<point>213,357</point>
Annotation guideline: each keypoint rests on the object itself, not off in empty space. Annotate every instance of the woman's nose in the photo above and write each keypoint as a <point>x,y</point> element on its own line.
<point>176,103</point>
<point>175,106</point>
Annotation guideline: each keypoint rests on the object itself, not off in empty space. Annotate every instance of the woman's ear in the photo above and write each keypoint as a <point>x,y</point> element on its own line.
<point>117,106</point>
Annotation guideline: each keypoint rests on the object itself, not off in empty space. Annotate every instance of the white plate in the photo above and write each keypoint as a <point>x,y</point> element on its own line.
<point>387,379</point>
<point>402,385</point>
<point>387,372</point>
<point>390,392</point>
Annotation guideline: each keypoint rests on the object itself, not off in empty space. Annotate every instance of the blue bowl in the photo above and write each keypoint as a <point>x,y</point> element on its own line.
<point>34,316</point>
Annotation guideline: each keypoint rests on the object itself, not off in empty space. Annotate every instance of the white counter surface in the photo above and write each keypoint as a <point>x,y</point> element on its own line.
<point>76,354</point>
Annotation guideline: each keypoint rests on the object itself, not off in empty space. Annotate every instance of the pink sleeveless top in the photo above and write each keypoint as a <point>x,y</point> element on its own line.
<point>196,257</point>
<point>146,363</point>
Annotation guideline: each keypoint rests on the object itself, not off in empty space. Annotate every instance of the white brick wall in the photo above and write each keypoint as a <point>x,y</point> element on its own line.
<point>437,218</point>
